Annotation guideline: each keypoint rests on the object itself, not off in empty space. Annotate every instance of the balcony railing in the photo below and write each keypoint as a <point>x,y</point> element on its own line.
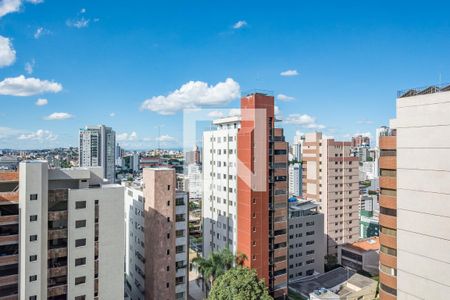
<point>445,87</point>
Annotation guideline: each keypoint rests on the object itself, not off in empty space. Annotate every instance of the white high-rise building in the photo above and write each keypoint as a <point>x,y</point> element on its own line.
<point>295,179</point>
<point>98,149</point>
<point>71,243</point>
<point>220,186</point>
<point>195,182</point>
<point>296,147</point>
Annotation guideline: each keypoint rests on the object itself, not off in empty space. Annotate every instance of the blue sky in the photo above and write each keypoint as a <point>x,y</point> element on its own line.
<point>98,61</point>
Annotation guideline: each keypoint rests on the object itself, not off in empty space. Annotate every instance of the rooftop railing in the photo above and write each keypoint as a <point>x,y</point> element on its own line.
<point>444,87</point>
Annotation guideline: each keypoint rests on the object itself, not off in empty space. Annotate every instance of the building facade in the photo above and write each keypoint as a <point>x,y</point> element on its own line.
<point>9,235</point>
<point>156,218</point>
<point>418,177</point>
<point>195,181</point>
<point>331,177</point>
<point>220,186</point>
<point>262,192</point>
<point>70,238</point>
<point>97,149</point>
<point>295,179</point>
<point>306,240</point>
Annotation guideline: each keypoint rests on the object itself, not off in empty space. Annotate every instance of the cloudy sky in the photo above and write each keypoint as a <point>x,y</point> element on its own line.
<point>333,66</point>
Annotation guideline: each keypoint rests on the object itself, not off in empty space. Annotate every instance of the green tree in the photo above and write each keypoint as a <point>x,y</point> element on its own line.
<point>214,266</point>
<point>239,284</point>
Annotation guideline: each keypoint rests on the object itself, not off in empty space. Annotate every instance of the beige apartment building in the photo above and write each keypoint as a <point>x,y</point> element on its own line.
<point>330,177</point>
<point>421,260</point>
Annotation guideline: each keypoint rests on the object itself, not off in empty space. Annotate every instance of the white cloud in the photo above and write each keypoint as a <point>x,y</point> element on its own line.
<point>39,135</point>
<point>21,86</point>
<point>29,66</point>
<point>284,97</point>
<point>112,114</point>
<point>240,24</point>
<point>166,139</point>
<point>58,116</point>
<point>10,6</point>
<point>7,52</point>
<point>83,10</point>
<point>277,112</point>
<point>78,23</point>
<point>127,136</point>
<point>193,94</point>
<point>304,120</point>
<point>41,102</point>
<point>7,133</point>
<point>41,31</point>
<point>289,73</point>
<point>215,114</point>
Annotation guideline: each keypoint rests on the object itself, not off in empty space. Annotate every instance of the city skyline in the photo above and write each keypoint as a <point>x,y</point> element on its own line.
<point>310,57</point>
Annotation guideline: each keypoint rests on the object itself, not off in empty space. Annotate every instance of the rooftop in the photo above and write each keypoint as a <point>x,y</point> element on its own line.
<point>369,244</point>
<point>445,87</point>
<point>327,280</point>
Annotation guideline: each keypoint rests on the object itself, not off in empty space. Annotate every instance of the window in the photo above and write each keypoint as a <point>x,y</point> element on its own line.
<point>388,270</point>
<point>83,297</point>
<point>80,223</point>
<point>388,289</point>
<point>33,197</point>
<point>80,261</point>
<point>168,187</point>
<point>33,298</point>
<point>388,231</point>
<point>80,280</point>
<point>33,218</point>
<point>80,204</point>
<point>388,250</point>
<point>168,203</point>
<point>388,211</point>
<point>33,237</point>
<point>33,257</point>
<point>80,242</point>
<point>167,285</point>
<point>33,278</point>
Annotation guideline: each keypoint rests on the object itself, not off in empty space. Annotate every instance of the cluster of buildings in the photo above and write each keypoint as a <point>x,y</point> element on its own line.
<point>317,218</point>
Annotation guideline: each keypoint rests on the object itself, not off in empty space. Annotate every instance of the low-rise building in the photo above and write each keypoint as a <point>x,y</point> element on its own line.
<point>306,239</point>
<point>361,256</point>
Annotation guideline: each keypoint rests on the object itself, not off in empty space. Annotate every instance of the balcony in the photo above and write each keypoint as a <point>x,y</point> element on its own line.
<point>57,252</point>
<point>388,241</point>
<point>388,142</point>
<point>388,221</point>
<point>57,215</point>
<point>388,162</point>
<point>57,234</point>
<point>57,272</point>
<point>57,290</point>
<point>8,280</point>
<point>9,239</point>
<point>9,220</point>
<point>388,201</point>
<point>388,182</point>
<point>9,259</point>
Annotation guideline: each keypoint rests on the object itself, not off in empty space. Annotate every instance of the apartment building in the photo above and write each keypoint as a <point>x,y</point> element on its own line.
<point>97,149</point>
<point>156,227</point>
<point>245,173</point>
<point>362,255</point>
<point>71,235</point>
<point>388,214</point>
<point>420,181</point>
<point>262,208</point>
<point>9,235</point>
<point>306,239</point>
<point>330,177</point>
<point>295,179</point>
<point>219,207</point>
